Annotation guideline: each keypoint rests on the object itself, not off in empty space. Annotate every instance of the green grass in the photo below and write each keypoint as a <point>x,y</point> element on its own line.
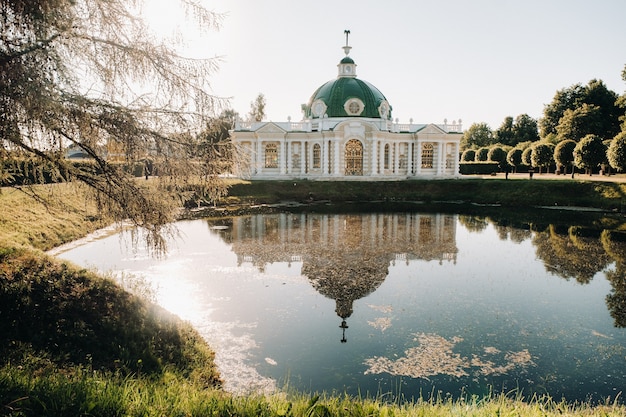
<point>58,214</point>
<point>511,193</point>
<point>73,343</point>
<point>94,394</point>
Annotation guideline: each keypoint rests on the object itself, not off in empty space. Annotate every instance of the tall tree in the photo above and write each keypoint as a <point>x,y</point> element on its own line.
<point>525,129</point>
<point>257,109</point>
<point>579,122</point>
<point>595,93</point>
<point>504,134</point>
<point>90,73</point>
<point>513,131</point>
<point>564,99</point>
<point>478,135</point>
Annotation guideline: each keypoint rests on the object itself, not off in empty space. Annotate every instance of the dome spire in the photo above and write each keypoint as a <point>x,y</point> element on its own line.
<point>347,67</point>
<point>347,48</point>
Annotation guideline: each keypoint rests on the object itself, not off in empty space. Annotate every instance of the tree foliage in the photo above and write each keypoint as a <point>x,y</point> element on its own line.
<point>542,155</point>
<point>257,109</point>
<point>514,157</point>
<point>504,134</point>
<point>589,153</point>
<point>478,135</point>
<point>497,154</point>
<point>621,103</point>
<point>513,131</point>
<point>525,129</point>
<point>579,122</point>
<point>616,154</point>
<point>527,156</point>
<point>595,93</point>
<point>468,155</point>
<point>564,153</point>
<point>482,154</point>
<point>90,73</point>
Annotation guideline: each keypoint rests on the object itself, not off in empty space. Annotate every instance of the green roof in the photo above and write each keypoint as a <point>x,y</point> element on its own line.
<point>336,92</point>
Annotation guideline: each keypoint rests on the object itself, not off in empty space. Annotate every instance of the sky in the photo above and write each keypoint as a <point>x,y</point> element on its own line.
<point>479,61</point>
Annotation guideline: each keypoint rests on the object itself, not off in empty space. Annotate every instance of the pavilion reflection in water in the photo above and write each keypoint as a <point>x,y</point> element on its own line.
<point>344,256</point>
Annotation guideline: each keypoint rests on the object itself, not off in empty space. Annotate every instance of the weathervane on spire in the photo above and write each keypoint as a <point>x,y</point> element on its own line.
<point>347,48</point>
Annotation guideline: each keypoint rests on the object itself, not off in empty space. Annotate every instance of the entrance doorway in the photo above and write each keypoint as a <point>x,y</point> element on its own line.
<point>354,157</point>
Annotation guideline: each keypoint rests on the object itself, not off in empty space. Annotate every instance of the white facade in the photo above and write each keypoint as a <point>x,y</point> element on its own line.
<point>352,148</point>
<point>347,133</point>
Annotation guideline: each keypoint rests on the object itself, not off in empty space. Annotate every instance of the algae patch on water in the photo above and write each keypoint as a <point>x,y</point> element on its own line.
<point>434,355</point>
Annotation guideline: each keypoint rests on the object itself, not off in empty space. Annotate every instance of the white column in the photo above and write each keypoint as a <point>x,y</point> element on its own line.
<point>418,158</point>
<point>281,157</point>
<point>324,157</point>
<point>302,161</point>
<point>259,156</point>
<point>440,156</point>
<point>409,156</point>
<point>289,147</point>
<point>457,163</point>
<point>337,158</point>
<point>396,158</point>
<point>374,148</point>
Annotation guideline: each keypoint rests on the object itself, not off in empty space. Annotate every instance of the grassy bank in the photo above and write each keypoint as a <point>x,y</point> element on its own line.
<point>510,193</point>
<point>74,343</point>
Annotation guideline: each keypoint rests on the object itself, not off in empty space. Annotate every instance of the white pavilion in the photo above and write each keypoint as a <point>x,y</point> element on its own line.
<point>347,133</point>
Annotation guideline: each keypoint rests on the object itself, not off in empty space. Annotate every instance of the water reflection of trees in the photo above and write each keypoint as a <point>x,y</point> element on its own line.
<point>345,257</point>
<point>569,255</point>
<point>615,245</point>
<point>570,252</point>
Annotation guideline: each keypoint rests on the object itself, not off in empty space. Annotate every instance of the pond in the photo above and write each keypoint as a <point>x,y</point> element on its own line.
<point>394,305</point>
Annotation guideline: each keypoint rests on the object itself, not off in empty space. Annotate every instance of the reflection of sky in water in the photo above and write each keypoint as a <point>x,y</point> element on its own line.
<point>485,304</point>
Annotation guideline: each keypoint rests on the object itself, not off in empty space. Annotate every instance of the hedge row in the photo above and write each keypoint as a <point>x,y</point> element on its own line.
<point>16,172</point>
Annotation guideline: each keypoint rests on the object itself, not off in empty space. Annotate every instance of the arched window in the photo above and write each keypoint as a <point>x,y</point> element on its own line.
<point>271,155</point>
<point>317,156</point>
<point>427,155</point>
<point>354,157</point>
<point>386,157</point>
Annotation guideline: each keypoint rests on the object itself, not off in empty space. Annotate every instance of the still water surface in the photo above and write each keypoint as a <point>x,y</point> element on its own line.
<point>403,304</point>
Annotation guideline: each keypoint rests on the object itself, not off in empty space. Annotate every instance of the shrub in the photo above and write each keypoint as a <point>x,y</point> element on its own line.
<point>468,155</point>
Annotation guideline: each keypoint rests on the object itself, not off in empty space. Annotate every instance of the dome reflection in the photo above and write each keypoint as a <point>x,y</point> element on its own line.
<point>345,257</point>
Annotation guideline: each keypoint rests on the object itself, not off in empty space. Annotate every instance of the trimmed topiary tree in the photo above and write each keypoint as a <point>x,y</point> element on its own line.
<point>564,154</point>
<point>469,155</point>
<point>497,154</point>
<point>589,153</point>
<point>514,157</point>
<point>616,154</point>
<point>482,155</point>
<point>541,156</point>
<point>526,154</point>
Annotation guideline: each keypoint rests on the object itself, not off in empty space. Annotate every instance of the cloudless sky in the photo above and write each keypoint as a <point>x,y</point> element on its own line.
<point>478,60</point>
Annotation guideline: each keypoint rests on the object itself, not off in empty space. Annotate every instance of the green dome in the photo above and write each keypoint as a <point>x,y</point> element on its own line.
<point>338,94</point>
